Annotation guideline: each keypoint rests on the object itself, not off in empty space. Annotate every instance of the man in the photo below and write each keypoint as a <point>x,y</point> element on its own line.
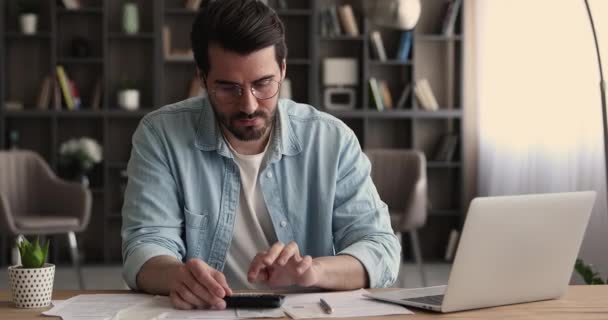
<point>243,190</point>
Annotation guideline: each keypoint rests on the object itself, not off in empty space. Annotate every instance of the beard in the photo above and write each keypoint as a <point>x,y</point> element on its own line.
<point>247,133</point>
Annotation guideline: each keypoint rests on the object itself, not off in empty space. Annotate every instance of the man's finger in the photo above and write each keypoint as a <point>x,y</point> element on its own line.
<point>221,279</point>
<point>304,265</point>
<point>273,253</point>
<point>257,264</point>
<point>189,297</point>
<point>290,251</point>
<point>202,274</point>
<point>199,290</point>
<point>178,302</point>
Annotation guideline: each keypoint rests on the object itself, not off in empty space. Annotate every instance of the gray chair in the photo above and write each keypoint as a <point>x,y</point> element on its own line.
<point>400,177</point>
<point>34,201</point>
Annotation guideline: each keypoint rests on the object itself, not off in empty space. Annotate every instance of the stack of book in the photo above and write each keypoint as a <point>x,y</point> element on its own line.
<point>337,21</point>
<point>424,95</point>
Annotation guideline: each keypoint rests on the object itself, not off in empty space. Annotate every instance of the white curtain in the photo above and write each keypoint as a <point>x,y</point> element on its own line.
<point>538,103</point>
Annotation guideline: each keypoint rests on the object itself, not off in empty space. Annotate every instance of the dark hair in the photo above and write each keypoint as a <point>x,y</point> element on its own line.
<point>242,26</point>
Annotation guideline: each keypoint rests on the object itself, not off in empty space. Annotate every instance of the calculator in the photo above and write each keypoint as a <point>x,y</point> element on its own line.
<point>254,300</point>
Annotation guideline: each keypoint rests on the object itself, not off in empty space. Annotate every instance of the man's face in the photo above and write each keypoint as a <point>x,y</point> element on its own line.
<point>242,90</point>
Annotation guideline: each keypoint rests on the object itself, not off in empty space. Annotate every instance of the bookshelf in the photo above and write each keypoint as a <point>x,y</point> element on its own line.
<point>26,60</point>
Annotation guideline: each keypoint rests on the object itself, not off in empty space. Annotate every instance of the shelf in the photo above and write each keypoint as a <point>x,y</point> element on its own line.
<point>298,61</point>
<point>83,10</point>
<point>180,11</point>
<point>179,61</point>
<point>114,216</point>
<point>97,190</point>
<point>390,63</point>
<point>436,37</point>
<point>294,12</point>
<point>444,213</point>
<point>442,165</point>
<point>117,165</point>
<point>137,36</point>
<point>117,113</point>
<point>33,113</point>
<point>74,60</point>
<point>343,38</point>
<point>396,114</point>
<point>21,36</point>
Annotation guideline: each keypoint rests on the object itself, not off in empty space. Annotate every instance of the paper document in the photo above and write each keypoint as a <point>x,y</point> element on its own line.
<point>160,308</point>
<point>344,304</point>
<point>95,306</point>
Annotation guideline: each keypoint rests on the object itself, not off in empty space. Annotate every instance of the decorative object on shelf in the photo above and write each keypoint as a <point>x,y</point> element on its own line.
<point>130,18</point>
<point>174,54</point>
<point>340,77</point>
<point>13,105</point>
<point>28,15</point>
<point>31,283</point>
<point>13,140</point>
<point>398,14</point>
<point>78,156</point>
<point>80,47</point>
<point>128,95</point>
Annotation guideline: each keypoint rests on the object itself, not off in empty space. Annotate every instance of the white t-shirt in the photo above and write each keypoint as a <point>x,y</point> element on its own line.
<point>253,230</point>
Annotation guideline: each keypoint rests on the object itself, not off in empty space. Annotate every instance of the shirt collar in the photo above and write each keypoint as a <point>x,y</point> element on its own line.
<point>209,136</point>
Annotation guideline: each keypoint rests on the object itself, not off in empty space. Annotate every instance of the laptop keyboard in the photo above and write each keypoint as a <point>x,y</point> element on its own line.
<point>433,300</point>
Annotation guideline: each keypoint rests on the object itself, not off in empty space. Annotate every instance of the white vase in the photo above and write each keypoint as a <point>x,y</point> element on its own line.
<point>130,18</point>
<point>29,23</point>
<point>31,287</point>
<point>128,99</point>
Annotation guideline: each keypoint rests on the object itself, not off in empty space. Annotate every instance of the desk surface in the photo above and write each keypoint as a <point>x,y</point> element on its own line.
<point>581,302</point>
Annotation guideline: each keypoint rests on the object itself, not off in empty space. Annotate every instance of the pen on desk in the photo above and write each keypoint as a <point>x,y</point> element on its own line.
<point>326,307</point>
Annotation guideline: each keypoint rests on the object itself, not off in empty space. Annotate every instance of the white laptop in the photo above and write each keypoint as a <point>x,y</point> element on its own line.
<point>513,249</point>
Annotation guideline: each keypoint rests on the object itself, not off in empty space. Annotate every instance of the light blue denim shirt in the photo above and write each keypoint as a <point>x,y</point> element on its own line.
<point>184,186</point>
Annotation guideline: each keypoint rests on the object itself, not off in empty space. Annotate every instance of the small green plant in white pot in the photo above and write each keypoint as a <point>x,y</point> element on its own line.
<point>31,283</point>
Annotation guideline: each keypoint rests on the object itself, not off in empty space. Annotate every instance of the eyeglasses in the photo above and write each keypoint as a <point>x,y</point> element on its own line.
<point>262,90</point>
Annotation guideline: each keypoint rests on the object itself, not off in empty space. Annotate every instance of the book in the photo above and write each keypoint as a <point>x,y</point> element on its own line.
<point>375,94</point>
<point>449,19</point>
<point>44,97</point>
<point>166,41</point>
<point>347,17</point>
<point>75,95</point>
<point>446,148</point>
<point>405,93</point>
<point>378,45</point>
<point>450,249</point>
<point>193,4</point>
<point>335,23</point>
<point>387,98</point>
<point>405,46</point>
<point>64,82</point>
<point>282,4</point>
<point>96,98</point>
<point>425,96</point>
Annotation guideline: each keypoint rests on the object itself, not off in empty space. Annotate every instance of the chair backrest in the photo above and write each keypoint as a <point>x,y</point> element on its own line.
<point>22,177</point>
<point>400,178</point>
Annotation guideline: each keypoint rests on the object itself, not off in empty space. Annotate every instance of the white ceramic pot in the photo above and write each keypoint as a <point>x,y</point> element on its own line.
<point>31,287</point>
<point>128,99</point>
<point>29,23</point>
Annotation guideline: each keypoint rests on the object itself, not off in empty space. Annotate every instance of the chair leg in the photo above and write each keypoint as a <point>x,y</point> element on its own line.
<point>75,258</point>
<point>15,255</point>
<point>418,255</point>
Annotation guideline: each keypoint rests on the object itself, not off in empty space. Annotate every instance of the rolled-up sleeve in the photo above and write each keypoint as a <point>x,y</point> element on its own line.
<point>361,222</point>
<point>151,214</point>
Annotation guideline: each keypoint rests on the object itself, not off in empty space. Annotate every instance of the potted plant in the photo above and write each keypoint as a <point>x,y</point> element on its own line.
<point>78,156</point>
<point>587,273</point>
<point>31,283</point>
<point>128,95</point>
<point>28,15</point>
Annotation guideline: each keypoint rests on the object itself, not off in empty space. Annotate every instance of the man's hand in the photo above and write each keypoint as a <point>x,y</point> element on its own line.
<point>282,265</point>
<point>195,284</point>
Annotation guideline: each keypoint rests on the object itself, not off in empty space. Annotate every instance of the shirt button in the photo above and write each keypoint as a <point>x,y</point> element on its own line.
<point>269,175</point>
<point>283,224</point>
